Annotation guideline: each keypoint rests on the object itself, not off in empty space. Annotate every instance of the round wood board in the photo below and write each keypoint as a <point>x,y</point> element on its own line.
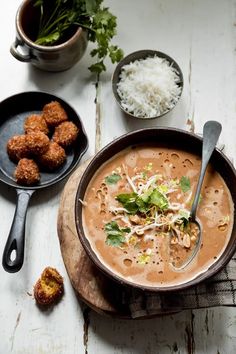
<point>91,286</point>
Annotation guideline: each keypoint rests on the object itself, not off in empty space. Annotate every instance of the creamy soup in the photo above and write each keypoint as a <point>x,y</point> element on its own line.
<point>136,213</point>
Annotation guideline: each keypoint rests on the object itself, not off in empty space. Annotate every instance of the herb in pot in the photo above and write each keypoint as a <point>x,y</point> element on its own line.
<point>57,17</point>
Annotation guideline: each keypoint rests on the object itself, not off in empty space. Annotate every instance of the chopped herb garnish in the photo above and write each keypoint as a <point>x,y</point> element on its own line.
<point>115,234</point>
<point>148,167</point>
<point>143,258</point>
<point>112,179</point>
<point>185,184</point>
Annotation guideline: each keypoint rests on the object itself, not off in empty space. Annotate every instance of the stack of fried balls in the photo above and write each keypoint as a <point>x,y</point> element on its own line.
<point>34,150</point>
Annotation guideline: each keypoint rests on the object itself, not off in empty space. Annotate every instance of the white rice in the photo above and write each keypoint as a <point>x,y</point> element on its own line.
<point>148,87</point>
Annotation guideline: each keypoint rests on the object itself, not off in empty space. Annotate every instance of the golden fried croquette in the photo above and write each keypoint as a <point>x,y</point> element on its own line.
<point>35,123</point>
<point>17,148</point>
<point>49,287</point>
<point>54,157</point>
<point>27,172</point>
<point>37,142</point>
<point>54,113</point>
<point>65,134</point>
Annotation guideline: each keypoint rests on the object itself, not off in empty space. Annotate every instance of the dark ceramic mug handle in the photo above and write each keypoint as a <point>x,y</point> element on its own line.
<point>22,57</point>
<point>16,237</point>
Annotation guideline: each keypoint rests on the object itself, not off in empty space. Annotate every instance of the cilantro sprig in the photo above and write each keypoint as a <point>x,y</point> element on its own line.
<point>135,203</point>
<point>115,234</point>
<point>59,17</point>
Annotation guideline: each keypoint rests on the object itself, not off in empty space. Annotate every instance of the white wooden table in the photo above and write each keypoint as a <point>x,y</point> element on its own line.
<point>201,36</point>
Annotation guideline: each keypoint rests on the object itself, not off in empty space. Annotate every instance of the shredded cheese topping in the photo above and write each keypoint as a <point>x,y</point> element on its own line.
<point>148,87</point>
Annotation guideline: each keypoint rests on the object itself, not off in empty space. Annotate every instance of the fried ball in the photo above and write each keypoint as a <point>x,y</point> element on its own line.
<point>54,157</point>
<point>27,172</point>
<point>35,123</point>
<point>49,287</point>
<point>65,134</point>
<point>54,113</point>
<point>37,142</point>
<point>17,148</point>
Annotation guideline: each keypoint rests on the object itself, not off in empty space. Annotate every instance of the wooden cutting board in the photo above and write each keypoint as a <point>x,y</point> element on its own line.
<point>91,286</point>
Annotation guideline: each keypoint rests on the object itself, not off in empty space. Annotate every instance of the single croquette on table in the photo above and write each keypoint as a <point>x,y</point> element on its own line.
<point>27,172</point>
<point>37,142</point>
<point>49,287</point>
<point>65,134</point>
<point>17,147</point>
<point>53,158</point>
<point>54,113</point>
<point>35,123</point>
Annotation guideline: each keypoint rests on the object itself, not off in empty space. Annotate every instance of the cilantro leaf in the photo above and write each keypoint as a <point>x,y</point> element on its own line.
<point>115,234</point>
<point>143,207</point>
<point>112,179</point>
<point>128,200</point>
<point>159,199</point>
<point>146,195</point>
<point>185,184</point>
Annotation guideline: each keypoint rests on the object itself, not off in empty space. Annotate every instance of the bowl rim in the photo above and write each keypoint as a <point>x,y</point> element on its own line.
<point>138,55</point>
<point>213,269</point>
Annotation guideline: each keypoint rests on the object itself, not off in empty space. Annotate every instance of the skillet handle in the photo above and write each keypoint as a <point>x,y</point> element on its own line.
<point>16,239</point>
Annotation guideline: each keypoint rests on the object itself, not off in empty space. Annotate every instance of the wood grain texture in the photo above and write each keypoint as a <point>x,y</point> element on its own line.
<point>90,285</point>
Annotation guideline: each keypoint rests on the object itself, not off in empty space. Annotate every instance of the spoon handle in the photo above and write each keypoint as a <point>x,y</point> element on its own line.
<point>211,133</point>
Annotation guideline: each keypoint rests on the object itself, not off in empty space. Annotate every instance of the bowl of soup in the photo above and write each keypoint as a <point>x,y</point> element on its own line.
<point>133,207</point>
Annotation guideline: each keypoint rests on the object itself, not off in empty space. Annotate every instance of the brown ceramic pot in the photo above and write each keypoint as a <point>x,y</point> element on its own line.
<point>173,138</point>
<point>49,58</point>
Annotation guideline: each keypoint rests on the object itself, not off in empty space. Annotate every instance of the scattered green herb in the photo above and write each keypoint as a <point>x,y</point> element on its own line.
<point>185,184</point>
<point>115,234</point>
<point>148,167</point>
<point>58,17</point>
<point>112,179</point>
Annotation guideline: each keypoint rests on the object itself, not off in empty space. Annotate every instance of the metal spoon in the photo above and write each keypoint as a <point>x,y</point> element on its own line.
<point>211,133</point>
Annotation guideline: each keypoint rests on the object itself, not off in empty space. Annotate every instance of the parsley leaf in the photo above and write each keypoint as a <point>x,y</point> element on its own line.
<point>185,184</point>
<point>115,234</point>
<point>112,179</point>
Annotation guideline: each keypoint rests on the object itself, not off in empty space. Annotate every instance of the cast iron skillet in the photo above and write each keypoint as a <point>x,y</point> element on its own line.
<point>172,138</point>
<point>13,112</point>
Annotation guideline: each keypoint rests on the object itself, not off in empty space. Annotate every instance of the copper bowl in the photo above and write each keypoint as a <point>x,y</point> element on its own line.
<point>175,138</point>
